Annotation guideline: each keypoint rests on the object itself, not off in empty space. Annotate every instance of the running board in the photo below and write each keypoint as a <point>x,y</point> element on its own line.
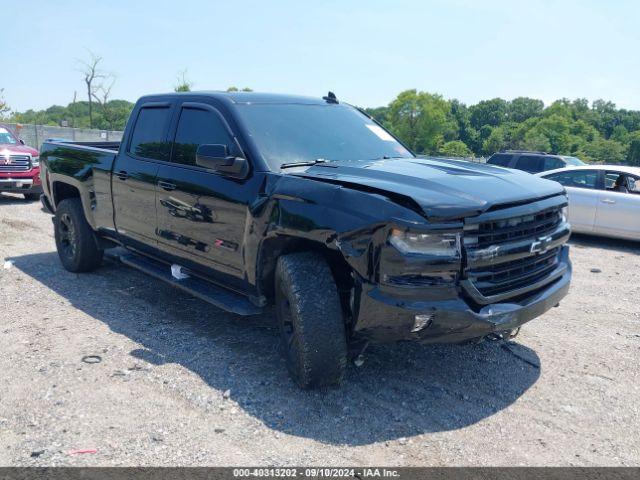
<point>217,296</point>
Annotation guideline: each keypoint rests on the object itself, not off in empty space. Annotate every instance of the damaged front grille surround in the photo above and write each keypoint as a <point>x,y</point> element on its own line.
<point>507,255</point>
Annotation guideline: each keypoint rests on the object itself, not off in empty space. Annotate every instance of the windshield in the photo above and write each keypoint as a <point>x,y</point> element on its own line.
<point>573,161</point>
<point>293,133</point>
<point>6,137</point>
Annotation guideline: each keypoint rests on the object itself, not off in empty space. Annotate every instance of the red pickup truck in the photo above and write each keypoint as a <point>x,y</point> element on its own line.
<point>19,166</point>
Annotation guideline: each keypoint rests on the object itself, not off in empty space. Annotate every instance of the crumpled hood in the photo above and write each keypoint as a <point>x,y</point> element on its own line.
<point>444,189</point>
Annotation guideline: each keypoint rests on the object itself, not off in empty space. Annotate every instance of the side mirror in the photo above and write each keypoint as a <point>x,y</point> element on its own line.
<point>216,157</point>
<point>21,141</point>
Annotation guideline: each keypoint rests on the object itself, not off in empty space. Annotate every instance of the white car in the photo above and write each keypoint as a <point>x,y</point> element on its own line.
<point>603,199</point>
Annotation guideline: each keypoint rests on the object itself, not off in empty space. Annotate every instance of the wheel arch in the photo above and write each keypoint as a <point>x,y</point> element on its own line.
<point>274,247</point>
<point>63,188</point>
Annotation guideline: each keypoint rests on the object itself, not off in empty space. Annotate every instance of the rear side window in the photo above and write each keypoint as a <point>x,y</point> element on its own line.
<point>551,163</point>
<point>530,163</point>
<point>197,127</point>
<point>149,134</point>
<point>500,159</point>
<point>576,179</point>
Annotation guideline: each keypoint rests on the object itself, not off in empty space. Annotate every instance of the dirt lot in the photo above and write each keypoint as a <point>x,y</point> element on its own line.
<point>182,383</point>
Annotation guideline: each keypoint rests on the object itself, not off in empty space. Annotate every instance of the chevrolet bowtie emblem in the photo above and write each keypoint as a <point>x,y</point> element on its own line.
<point>541,245</point>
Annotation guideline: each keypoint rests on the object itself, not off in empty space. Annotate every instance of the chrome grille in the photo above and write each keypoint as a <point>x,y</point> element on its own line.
<point>510,229</point>
<point>16,163</point>
<point>491,246</point>
<point>504,277</point>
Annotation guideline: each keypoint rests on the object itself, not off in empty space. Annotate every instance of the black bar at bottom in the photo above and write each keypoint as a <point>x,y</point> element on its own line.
<point>401,473</point>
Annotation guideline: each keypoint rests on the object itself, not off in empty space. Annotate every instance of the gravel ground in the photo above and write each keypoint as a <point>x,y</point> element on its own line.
<point>182,383</point>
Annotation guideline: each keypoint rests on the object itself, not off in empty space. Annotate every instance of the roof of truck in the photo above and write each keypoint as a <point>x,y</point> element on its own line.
<point>250,97</point>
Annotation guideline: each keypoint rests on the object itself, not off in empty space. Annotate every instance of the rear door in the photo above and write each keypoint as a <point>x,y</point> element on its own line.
<point>618,213</point>
<point>134,176</point>
<point>202,215</point>
<point>582,188</point>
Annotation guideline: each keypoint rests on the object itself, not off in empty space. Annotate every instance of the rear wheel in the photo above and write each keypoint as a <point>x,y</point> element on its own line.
<point>75,240</point>
<point>310,317</point>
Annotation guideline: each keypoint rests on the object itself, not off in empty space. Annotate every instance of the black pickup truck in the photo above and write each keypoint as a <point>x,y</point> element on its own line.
<point>248,200</point>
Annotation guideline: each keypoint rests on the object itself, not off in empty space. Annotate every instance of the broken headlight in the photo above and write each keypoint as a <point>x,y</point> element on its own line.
<point>564,214</point>
<point>434,244</point>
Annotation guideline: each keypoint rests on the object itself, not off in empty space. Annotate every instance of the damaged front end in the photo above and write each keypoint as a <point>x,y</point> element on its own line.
<point>512,266</point>
<point>420,277</point>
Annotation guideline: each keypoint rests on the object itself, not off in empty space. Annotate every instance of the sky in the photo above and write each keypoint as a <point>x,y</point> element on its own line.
<point>364,51</point>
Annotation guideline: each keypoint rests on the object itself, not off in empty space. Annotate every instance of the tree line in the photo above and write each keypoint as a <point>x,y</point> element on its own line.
<point>594,132</point>
<point>426,122</point>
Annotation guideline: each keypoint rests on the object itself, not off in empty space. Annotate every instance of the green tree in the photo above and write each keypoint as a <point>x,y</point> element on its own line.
<point>633,153</point>
<point>603,151</point>
<point>489,112</point>
<point>556,129</point>
<point>455,148</point>
<point>522,108</point>
<point>461,117</point>
<point>380,114</point>
<point>420,120</point>
<point>495,142</point>
<point>76,114</point>
<point>535,140</point>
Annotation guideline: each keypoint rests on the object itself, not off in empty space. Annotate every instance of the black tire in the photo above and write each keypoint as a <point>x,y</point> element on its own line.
<point>309,313</point>
<point>76,243</point>
<point>31,197</point>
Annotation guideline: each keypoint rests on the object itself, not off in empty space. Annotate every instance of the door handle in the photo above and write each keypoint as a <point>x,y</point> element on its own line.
<point>608,200</point>
<point>166,185</point>
<point>122,175</point>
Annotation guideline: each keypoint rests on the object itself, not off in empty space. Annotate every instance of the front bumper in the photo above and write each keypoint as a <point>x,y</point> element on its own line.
<point>385,317</point>
<point>20,185</point>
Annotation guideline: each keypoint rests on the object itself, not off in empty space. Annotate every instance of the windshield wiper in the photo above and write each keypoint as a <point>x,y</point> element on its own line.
<point>304,164</point>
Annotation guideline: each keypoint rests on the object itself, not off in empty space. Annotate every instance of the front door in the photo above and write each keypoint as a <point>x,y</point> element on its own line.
<point>134,178</point>
<point>202,215</point>
<point>618,212</point>
<point>583,192</point>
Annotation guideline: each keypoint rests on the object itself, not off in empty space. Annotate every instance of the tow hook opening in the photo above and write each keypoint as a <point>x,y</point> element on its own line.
<point>503,335</point>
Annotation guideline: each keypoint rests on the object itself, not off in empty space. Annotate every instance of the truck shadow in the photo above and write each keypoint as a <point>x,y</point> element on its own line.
<point>401,390</point>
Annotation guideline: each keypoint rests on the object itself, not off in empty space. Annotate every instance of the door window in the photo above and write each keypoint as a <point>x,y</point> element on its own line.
<point>149,134</point>
<point>576,178</point>
<point>530,163</point>
<point>197,127</point>
<point>621,182</point>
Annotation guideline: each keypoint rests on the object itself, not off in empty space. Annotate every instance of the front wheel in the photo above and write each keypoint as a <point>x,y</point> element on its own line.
<point>76,243</point>
<point>311,323</point>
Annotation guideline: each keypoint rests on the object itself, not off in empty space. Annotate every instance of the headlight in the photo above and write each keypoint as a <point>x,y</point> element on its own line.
<point>436,244</point>
<point>563,214</point>
<point>35,161</point>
